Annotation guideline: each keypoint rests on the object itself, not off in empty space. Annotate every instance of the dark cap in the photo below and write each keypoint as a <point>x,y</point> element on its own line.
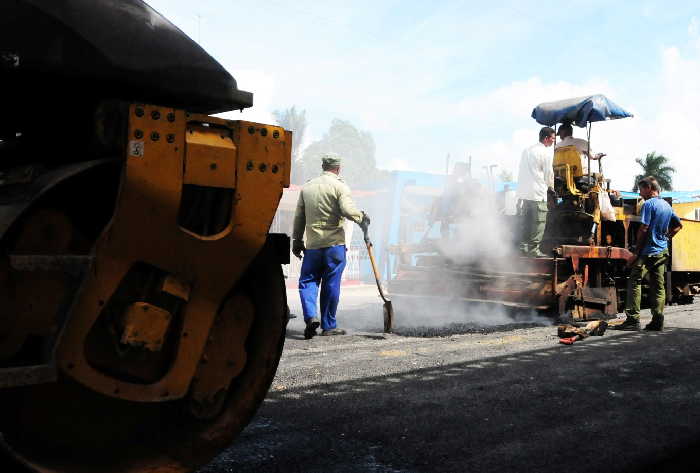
<point>330,159</point>
<point>566,127</point>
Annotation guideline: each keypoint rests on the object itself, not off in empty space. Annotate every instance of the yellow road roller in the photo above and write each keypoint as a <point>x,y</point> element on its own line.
<point>142,302</point>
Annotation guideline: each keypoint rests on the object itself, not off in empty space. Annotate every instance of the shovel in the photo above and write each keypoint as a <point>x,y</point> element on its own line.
<point>388,309</point>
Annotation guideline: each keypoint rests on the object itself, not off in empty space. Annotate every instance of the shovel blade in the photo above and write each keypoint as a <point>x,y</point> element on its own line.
<point>388,317</point>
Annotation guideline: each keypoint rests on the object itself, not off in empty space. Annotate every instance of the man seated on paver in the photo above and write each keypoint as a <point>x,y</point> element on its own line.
<point>565,132</point>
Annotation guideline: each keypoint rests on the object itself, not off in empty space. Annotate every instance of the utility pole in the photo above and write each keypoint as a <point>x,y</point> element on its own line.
<point>447,165</point>
<point>491,176</point>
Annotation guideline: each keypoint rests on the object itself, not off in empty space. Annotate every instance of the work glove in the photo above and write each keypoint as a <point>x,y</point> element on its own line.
<point>364,223</point>
<point>298,248</point>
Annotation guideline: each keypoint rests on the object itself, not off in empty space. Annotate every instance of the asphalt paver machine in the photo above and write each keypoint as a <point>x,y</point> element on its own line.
<point>588,232</point>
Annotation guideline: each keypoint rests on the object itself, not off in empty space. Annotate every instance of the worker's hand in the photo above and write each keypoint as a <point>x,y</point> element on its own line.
<point>551,199</point>
<point>298,248</point>
<point>364,223</point>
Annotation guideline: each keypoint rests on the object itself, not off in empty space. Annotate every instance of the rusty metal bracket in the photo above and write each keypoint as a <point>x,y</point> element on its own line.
<point>576,252</point>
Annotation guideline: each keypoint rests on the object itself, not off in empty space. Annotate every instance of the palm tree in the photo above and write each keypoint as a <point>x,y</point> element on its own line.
<point>655,165</point>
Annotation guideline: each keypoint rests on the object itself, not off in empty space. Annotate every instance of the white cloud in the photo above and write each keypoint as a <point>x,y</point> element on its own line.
<point>671,126</point>
<point>677,128</point>
<point>694,28</point>
<point>509,108</point>
<point>403,80</point>
<point>517,99</point>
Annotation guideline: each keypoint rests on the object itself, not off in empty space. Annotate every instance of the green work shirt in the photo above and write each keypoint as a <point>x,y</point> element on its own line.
<point>324,204</point>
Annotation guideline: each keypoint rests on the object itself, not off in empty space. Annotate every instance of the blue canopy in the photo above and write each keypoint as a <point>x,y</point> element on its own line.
<point>579,110</point>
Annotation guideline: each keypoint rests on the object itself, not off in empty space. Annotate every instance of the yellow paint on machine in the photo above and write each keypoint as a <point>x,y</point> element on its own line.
<point>686,247</point>
<point>163,158</point>
<point>687,210</point>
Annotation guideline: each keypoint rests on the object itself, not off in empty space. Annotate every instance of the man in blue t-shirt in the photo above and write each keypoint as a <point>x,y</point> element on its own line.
<point>658,225</point>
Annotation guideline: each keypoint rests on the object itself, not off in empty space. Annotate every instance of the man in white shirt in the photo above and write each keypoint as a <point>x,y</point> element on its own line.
<point>565,132</point>
<point>535,179</point>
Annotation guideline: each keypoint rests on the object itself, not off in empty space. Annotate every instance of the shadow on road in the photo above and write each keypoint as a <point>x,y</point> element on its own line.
<point>629,402</point>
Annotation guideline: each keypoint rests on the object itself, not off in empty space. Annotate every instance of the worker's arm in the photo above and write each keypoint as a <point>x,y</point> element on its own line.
<point>298,228</point>
<point>347,206</point>
<point>549,172</point>
<point>596,156</point>
<point>674,227</point>
<point>642,232</point>
<point>551,199</point>
<point>589,151</point>
<point>642,235</point>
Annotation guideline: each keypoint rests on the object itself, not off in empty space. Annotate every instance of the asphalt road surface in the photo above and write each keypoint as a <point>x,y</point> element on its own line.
<point>507,399</point>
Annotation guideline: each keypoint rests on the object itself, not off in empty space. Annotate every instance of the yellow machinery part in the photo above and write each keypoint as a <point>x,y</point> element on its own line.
<point>569,156</point>
<point>209,160</point>
<point>687,210</point>
<point>686,256</point>
<point>567,166</point>
<point>145,229</point>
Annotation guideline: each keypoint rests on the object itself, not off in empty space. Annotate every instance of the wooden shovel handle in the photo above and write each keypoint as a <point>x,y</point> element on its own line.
<point>374,269</point>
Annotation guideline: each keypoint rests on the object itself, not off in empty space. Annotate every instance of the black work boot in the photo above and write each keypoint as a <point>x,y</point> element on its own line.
<point>333,331</point>
<point>311,326</point>
<point>656,324</point>
<point>630,323</point>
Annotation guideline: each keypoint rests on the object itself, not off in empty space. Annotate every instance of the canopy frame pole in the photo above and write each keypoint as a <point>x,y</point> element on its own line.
<point>589,151</point>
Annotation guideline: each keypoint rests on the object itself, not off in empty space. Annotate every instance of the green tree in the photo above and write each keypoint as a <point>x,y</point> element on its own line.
<point>656,165</point>
<point>356,148</point>
<point>294,121</point>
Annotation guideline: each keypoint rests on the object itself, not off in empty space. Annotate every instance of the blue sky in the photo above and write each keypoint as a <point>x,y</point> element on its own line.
<point>461,77</point>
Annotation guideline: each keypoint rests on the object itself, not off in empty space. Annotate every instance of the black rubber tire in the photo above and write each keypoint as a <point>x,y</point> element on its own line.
<point>175,439</point>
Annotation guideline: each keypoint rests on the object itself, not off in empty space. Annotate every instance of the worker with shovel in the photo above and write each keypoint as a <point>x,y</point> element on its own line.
<point>324,204</point>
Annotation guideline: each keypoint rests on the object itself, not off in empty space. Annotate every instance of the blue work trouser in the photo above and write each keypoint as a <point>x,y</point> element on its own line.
<point>322,266</point>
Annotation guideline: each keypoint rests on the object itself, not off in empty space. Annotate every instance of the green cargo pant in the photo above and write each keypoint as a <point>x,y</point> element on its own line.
<point>655,266</point>
<point>534,215</point>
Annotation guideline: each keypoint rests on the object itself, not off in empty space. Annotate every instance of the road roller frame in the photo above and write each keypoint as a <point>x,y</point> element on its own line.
<point>168,150</point>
